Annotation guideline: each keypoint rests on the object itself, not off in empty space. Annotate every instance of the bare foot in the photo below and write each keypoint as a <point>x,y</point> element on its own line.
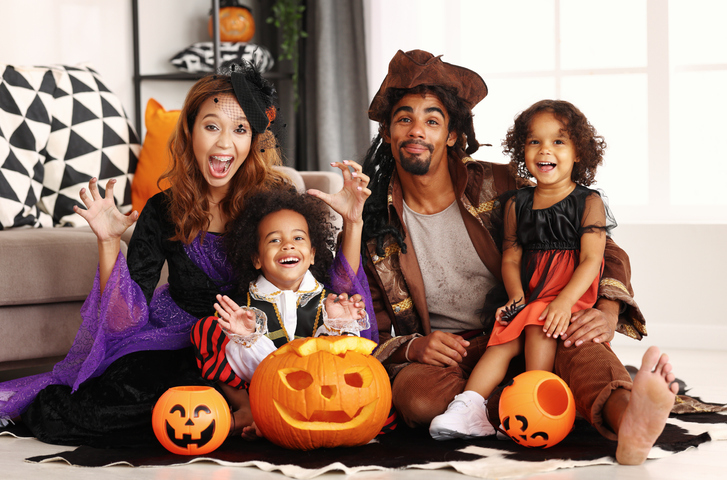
<point>652,397</point>
<point>240,403</point>
<point>251,432</point>
<point>241,419</point>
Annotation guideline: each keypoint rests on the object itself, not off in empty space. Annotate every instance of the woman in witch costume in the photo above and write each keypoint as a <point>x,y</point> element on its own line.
<point>134,341</point>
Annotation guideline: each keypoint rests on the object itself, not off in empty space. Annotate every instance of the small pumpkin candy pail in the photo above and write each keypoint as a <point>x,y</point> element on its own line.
<point>191,420</point>
<point>236,22</point>
<point>321,392</point>
<point>537,410</point>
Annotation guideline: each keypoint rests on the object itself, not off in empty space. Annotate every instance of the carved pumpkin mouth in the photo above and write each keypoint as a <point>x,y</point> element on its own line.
<point>327,420</point>
<point>204,437</point>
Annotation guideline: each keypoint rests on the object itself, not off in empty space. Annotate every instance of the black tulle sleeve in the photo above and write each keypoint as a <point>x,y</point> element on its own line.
<point>596,215</point>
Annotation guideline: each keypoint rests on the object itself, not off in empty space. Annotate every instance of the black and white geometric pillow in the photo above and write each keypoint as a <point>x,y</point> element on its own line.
<point>26,95</point>
<point>91,136</point>
<point>199,57</point>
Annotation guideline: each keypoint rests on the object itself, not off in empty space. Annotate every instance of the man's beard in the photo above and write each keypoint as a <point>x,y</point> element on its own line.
<point>411,163</point>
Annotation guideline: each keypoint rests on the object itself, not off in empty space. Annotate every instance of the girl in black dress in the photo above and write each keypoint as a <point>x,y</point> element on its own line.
<point>554,239</point>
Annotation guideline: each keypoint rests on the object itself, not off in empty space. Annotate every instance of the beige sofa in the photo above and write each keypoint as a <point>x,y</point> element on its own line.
<point>46,274</point>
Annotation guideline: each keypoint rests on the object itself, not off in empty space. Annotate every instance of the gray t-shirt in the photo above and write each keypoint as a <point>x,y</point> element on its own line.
<point>456,281</point>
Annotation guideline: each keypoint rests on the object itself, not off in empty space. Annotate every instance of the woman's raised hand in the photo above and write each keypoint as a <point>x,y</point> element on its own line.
<point>350,200</point>
<point>101,213</point>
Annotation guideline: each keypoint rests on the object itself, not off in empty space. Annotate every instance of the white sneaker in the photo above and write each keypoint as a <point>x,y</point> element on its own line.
<point>466,417</point>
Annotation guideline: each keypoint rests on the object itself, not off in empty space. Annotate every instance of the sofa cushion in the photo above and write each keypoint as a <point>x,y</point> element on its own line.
<point>37,334</point>
<point>91,136</point>
<point>26,95</point>
<point>154,158</point>
<point>47,265</point>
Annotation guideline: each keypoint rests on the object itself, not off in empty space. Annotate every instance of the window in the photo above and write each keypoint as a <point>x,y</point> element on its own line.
<point>648,74</point>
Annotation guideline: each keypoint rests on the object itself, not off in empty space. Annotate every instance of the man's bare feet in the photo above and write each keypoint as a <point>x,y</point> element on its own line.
<point>652,397</point>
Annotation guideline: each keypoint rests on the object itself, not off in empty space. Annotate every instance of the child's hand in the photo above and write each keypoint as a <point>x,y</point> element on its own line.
<point>236,319</point>
<point>557,318</point>
<point>498,316</point>
<point>507,312</point>
<point>342,307</point>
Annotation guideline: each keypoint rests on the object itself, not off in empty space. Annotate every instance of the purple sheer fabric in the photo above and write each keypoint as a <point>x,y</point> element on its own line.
<point>343,280</point>
<point>118,322</point>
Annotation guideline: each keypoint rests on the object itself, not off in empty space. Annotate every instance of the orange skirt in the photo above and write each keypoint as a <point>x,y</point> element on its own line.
<point>559,271</point>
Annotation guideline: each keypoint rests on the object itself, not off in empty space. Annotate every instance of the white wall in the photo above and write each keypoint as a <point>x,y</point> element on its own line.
<point>678,270</point>
<point>99,32</point>
<point>70,32</point>
<point>678,274</point>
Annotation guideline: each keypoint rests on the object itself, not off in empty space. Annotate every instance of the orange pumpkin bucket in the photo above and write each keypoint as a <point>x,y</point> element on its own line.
<point>191,420</point>
<point>537,410</point>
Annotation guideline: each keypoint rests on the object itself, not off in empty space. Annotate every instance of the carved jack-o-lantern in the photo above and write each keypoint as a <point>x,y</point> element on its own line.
<point>321,392</point>
<point>537,410</point>
<point>191,420</point>
<point>236,24</point>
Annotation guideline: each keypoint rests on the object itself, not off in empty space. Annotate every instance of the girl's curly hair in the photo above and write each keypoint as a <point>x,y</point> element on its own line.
<point>588,144</point>
<point>242,241</point>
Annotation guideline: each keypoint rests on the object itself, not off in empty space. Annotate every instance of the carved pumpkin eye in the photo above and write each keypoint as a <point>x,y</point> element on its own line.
<point>359,376</point>
<point>296,379</point>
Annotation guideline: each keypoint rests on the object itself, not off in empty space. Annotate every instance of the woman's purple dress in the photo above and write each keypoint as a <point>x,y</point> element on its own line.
<point>134,341</point>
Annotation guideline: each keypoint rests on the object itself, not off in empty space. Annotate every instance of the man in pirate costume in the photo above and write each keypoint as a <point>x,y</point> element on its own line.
<point>431,236</point>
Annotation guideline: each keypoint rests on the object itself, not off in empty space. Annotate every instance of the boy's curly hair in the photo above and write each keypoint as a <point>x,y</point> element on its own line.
<point>588,144</point>
<point>242,241</point>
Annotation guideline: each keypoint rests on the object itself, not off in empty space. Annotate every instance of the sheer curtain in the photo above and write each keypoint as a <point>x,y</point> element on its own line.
<point>334,80</point>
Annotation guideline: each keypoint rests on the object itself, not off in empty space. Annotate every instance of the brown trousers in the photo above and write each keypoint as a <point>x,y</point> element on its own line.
<point>592,371</point>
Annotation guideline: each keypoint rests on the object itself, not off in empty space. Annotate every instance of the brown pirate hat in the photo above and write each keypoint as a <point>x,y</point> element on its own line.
<point>417,67</point>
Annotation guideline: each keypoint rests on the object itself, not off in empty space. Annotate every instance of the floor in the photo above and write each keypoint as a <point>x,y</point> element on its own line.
<point>696,367</point>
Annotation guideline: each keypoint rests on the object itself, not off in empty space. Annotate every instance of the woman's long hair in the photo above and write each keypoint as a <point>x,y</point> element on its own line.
<point>188,204</point>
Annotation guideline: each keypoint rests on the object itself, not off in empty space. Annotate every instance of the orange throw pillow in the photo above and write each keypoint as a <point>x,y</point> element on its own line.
<point>154,157</point>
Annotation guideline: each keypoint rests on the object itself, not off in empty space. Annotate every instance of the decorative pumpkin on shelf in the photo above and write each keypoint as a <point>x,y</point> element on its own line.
<point>191,420</point>
<point>236,22</point>
<point>537,410</point>
<point>321,392</point>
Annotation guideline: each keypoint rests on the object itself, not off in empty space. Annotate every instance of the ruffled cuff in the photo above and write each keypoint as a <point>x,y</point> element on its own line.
<point>261,329</point>
<point>343,326</point>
